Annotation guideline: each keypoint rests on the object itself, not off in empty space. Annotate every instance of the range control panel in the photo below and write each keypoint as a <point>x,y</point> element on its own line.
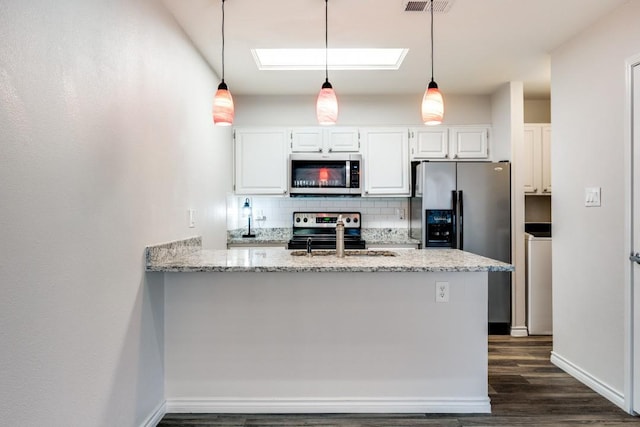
<point>325,219</point>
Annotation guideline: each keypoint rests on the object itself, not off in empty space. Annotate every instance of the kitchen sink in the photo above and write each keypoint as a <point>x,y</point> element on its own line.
<point>348,253</point>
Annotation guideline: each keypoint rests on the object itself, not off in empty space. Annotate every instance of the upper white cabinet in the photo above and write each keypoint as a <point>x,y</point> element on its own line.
<point>467,142</point>
<point>429,143</point>
<point>537,159</point>
<point>451,143</point>
<point>261,156</point>
<point>386,165</point>
<point>324,140</point>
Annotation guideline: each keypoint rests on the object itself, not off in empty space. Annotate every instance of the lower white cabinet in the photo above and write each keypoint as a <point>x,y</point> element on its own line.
<point>261,157</point>
<point>386,165</point>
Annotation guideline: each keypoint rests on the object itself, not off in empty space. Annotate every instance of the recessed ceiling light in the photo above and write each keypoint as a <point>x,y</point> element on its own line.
<point>338,59</point>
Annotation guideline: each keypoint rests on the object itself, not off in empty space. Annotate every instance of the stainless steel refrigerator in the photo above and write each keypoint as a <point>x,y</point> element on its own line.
<point>467,206</point>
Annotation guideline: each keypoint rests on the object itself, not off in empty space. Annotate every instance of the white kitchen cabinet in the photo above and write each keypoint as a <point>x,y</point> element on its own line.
<point>452,143</point>
<point>261,156</point>
<point>324,140</point>
<point>468,142</point>
<point>429,143</point>
<point>386,162</point>
<point>537,159</point>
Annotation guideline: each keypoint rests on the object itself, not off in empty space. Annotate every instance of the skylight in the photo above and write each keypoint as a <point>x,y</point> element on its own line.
<point>338,59</point>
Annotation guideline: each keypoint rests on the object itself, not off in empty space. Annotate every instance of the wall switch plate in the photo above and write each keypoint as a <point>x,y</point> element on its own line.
<point>442,291</point>
<point>192,218</point>
<point>592,196</point>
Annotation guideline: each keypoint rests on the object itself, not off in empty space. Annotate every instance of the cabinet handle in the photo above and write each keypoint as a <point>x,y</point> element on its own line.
<point>319,150</point>
<point>535,190</point>
<point>455,156</point>
<point>330,150</point>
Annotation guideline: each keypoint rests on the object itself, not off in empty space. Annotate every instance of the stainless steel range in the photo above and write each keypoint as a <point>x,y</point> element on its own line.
<point>320,227</point>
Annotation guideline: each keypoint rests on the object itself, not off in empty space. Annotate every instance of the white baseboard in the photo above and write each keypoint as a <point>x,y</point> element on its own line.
<point>154,418</point>
<point>519,331</point>
<point>589,380</point>
<point>266,406</point>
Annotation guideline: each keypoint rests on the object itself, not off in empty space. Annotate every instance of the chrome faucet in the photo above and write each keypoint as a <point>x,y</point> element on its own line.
<point>340,237</point>
<point>309,246</point>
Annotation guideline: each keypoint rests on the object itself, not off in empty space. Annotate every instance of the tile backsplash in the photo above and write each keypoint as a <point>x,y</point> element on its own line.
<point>276,212</point>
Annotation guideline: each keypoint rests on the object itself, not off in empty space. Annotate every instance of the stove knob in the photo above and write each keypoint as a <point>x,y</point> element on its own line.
<point>306,220</point>
<point>297,219</point>
<point>348,220</point>
<point>355,220</point>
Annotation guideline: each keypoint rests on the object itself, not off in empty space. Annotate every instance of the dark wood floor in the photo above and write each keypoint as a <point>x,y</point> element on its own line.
<point>525,390</point>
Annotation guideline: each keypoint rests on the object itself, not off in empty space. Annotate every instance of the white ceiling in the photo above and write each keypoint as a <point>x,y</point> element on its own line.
<point>479,44</point>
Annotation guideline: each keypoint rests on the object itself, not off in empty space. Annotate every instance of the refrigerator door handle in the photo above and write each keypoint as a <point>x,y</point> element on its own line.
<point>460,221</point>
<point>635,258</point>
<point>454,217</point>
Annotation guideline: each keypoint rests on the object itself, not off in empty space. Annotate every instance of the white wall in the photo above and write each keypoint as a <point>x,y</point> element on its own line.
<point>380,110</point>
<point>589,259</point>
<point>537,111</point>
<point>106,141</point>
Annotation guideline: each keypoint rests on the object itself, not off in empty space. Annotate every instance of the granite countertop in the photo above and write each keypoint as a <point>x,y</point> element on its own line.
<point>280,236</point>
<point>188,256</point>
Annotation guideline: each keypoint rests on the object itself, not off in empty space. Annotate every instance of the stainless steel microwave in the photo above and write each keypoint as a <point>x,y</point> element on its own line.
<point>337,174</point>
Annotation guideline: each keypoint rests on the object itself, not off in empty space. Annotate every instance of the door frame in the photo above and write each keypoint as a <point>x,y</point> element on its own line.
<point>631,312</point>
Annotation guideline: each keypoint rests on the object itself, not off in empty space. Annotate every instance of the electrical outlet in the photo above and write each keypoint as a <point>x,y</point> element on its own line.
<point>400,213</point>
<point>442,291</point>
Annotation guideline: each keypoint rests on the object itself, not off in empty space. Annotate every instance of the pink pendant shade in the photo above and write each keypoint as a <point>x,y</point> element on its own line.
<point>327,105</point>
<point>432,105</point>
<point>432,102</point>
<point>223,110</point>
<point>327,102</point>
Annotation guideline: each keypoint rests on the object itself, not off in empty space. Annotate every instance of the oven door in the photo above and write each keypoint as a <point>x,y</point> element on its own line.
<point>325,175</point>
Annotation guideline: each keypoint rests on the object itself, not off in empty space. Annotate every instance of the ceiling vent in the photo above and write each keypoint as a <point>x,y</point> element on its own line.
<point>439,6</point>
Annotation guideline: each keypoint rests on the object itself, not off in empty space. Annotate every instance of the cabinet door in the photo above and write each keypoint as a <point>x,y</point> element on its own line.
<point>261,161</point>
<point>429,143</point>
<point>306,140</point>
<point>469,142</point>
<point>531,159</point>
<point>342,139</point>
<point>545,155</point>
<point>386,161</point>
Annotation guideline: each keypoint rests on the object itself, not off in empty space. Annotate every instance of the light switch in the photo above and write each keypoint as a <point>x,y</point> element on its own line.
<point>192,218</point>
<point>592,196</point>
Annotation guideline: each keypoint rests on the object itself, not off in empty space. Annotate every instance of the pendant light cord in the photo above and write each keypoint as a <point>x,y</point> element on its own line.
<point>431,40</point>
<point>326,40</point>
<point>223,40</point>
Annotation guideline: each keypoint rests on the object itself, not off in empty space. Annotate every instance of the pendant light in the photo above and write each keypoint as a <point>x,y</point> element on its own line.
<point>223,110</point>
<point>327,103</point>
<point>432,102</point>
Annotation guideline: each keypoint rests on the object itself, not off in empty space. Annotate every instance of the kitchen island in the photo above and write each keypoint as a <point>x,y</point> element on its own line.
<point>265,330</point>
